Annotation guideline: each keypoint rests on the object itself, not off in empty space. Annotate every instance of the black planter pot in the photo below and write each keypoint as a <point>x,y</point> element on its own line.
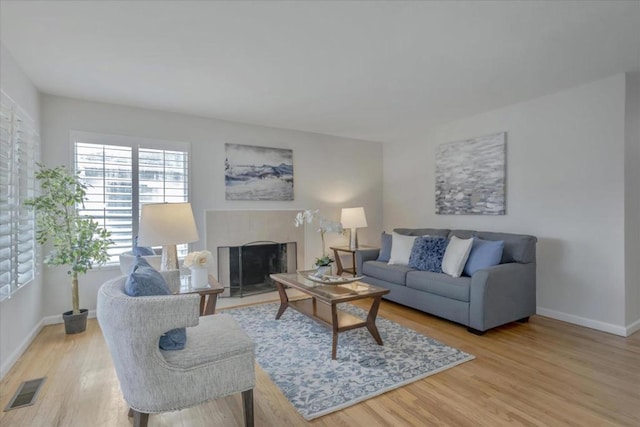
<point>75,323</point>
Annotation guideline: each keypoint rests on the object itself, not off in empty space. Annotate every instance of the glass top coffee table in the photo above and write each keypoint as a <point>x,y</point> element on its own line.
<point>323,301</point>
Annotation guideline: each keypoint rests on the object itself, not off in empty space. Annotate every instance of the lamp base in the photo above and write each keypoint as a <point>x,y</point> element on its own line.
<point>353,239</point>
<point>169,259</point>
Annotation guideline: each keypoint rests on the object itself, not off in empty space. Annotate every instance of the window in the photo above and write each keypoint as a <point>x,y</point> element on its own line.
<point>123,173</point>
<point>19,152</point>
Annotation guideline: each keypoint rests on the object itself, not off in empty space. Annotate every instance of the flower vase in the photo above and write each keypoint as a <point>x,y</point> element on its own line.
<point>322,270</point>
<point>199,277</point>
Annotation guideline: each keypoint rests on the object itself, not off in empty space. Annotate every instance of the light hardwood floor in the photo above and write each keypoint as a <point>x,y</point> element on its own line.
<point>541,373</point>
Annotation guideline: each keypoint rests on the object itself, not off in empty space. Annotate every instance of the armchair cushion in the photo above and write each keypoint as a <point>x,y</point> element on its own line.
<point>144,281</point>
<point>216,338</point>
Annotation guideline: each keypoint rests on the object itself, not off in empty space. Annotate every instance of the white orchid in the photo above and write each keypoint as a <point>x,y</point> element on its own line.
<point>305,216</point>
<point>324,226</point>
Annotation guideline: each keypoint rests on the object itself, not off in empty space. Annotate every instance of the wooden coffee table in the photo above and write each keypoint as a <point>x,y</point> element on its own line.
<point>322,306</point>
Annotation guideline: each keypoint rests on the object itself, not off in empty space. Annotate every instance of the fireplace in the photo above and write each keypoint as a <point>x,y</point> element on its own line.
<point>245,269</point>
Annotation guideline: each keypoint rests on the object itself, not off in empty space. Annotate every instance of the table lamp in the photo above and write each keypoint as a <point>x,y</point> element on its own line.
<point>353,218</point>
<point>166,225</point>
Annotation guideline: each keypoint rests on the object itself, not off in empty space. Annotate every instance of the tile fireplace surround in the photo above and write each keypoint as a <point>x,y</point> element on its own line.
<point>234,228</point>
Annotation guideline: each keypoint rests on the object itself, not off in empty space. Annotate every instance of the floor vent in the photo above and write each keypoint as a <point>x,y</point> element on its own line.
<point>26,394</point>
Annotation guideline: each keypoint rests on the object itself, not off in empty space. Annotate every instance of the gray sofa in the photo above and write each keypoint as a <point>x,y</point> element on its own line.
<point>491,297</point>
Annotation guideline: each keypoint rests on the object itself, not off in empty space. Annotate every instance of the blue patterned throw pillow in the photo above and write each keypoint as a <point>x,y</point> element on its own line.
<point>427,253</point>
<point>144,281</point>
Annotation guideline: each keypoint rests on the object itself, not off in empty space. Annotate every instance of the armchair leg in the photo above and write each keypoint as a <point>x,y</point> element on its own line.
<point>139,419</point>
<point>247,404</point>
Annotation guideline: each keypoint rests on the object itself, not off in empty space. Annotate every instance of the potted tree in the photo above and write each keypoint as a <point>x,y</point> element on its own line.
<point>76,240</point>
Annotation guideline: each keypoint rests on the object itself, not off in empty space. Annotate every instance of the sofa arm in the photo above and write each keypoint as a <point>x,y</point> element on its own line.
<point>501,294</point>
<point>363,255</point>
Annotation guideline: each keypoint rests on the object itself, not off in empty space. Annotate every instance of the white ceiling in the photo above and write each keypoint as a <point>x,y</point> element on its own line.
<point>381,71</point>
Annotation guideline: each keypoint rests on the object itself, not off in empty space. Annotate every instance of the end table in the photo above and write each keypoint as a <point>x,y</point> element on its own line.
<point>208,295</point>
<point>347,249</point>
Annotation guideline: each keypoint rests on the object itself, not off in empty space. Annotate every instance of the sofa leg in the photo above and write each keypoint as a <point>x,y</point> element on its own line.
<point>247,403</point>
<point>475,331</point>
<point>140,419</point>
<point>524,320</point>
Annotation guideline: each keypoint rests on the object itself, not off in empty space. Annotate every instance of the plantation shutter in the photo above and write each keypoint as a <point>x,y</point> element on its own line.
<point>164,177</point>
<point>126,174</point>
<point>107,170</point>
<point>6,201</point>
<point>19,152</point>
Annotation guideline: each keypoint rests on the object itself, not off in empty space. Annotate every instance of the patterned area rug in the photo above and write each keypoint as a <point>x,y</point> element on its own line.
<point>296,353</point>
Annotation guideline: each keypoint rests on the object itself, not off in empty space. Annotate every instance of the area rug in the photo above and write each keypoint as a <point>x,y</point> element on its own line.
<point>296,353</point>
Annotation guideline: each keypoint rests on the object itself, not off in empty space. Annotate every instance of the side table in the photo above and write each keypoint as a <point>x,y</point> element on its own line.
<point>347,249</point>
<point>208,296</point>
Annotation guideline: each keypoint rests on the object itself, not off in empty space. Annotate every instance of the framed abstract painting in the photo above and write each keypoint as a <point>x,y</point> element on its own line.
<point>258,173</point>
<point>470,176</point>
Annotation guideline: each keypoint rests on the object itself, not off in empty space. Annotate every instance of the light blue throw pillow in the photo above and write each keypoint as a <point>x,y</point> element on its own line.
<point>385,247</point>
<point>484,253</point>
<point>141,250</point>
<point>145,281</point>
<point>427,253</point>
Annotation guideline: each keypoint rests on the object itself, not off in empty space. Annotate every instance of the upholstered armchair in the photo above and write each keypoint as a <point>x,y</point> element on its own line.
<point>218,358</point>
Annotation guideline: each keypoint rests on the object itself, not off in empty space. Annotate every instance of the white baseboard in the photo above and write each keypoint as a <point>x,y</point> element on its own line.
<point>13,358</point>
<point>633,328</point>
<point>583,321</point>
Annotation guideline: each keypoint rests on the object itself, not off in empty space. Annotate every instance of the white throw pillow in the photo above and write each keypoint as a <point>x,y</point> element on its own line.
<point>401,246</point>
<point>455,257</point>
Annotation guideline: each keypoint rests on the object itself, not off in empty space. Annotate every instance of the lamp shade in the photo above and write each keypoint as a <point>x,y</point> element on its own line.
<point>353,218</point>
<point>167,224</point>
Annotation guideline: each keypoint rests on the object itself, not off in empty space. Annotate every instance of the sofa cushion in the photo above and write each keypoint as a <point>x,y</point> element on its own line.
<point>484,253</point>
<point>517,247</point>
<point>393,273</point>
<point>440,232</point>
<point>385,247</point>
<point>401,247</point>
<point>145,281</point>
<point>455,257</point>
<point>427,253</point>
<point>440,284</point>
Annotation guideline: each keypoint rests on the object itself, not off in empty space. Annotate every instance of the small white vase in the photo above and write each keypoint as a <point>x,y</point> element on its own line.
<point>322,270</point>
<point>199,277</point>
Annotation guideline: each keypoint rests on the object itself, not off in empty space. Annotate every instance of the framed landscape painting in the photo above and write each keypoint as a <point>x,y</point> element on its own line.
<point>258,173</point>
<point>470,176</point>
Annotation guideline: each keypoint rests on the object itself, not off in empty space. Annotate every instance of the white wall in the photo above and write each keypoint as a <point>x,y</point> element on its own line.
<point>20,315</point>
<point>632,199</point>
<point>565,184</point>
<point>329,172</point>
